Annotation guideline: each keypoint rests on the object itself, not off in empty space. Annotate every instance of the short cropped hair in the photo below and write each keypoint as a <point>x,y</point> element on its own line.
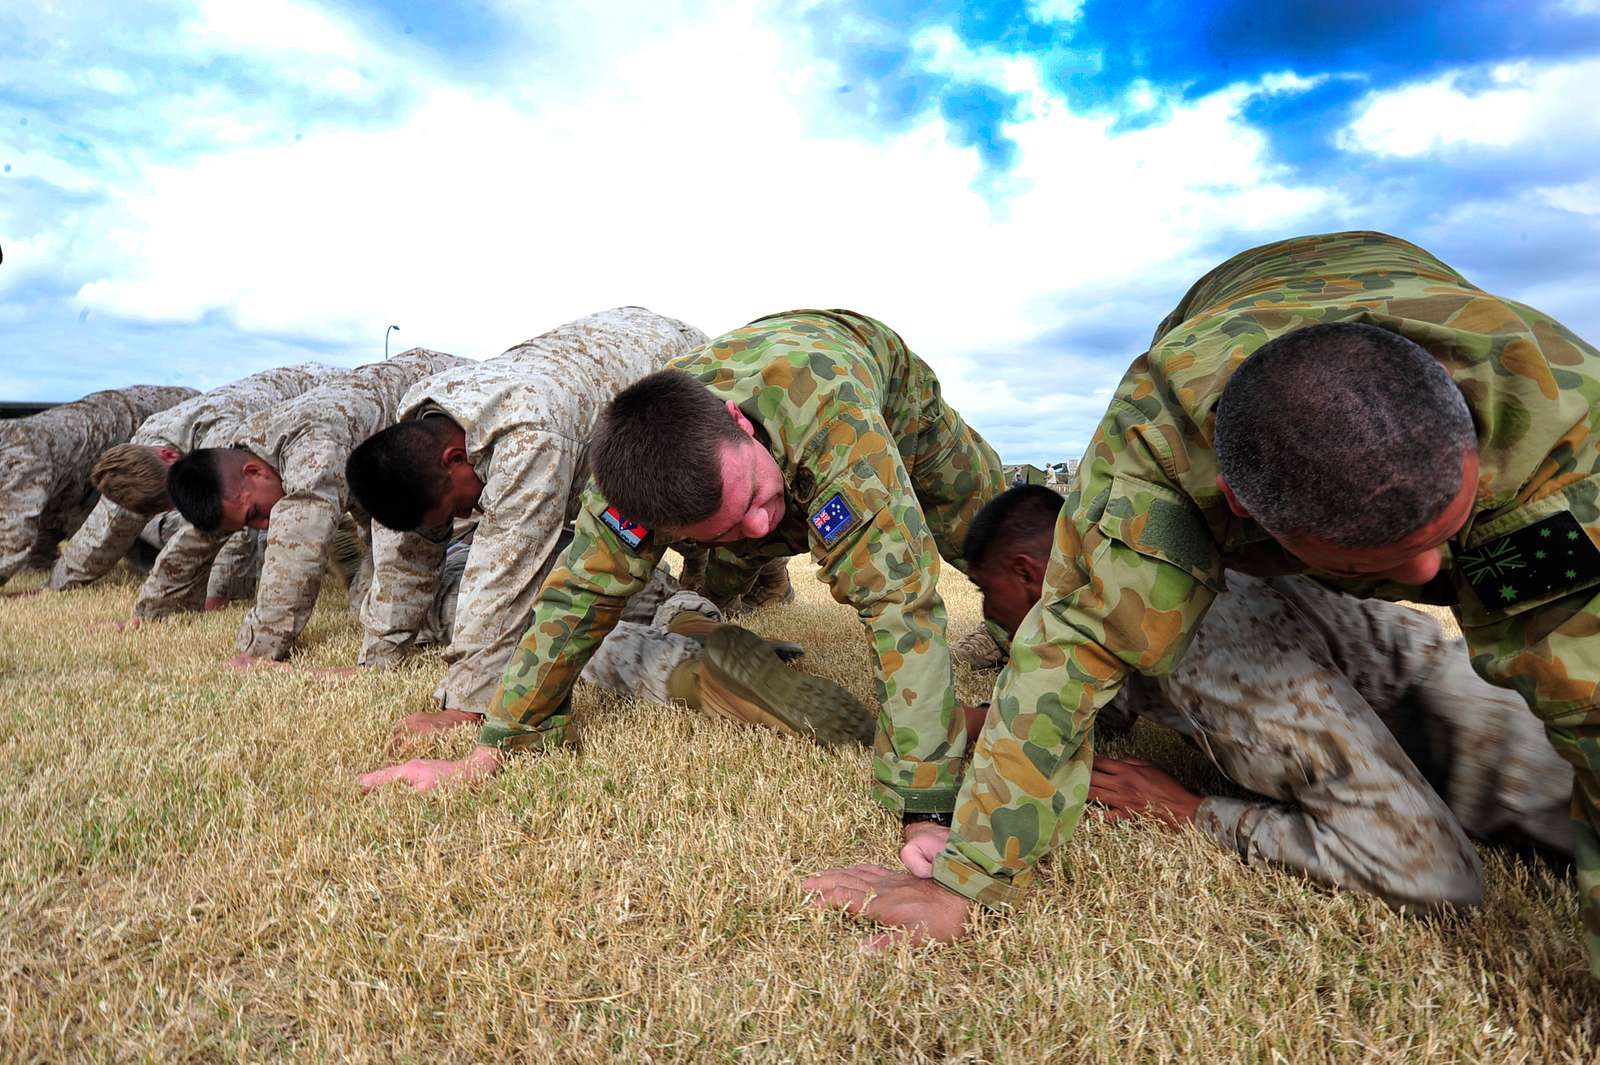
<point>1020,520</point>
<point>133,477</point>
<point>1343,431</point>
<point>656,448</point>
<point>198,481</point>
<point>395,473</point>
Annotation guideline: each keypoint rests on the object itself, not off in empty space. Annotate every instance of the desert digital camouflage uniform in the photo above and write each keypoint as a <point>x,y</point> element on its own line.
<point>639,655</point>
<point>882,478</point>
<point>307,440</point>
<point>45,461</point>
<point>203,421</point>
<point>527,415</point>
<point>1144,534</point>
<point>1383,747</point>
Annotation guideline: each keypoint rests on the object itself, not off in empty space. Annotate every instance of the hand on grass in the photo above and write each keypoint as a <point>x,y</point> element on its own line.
<point>218,602</point>
<point>130,625</point>
<point>430,721</point>
<point>244,663</point>
<point>1130,787</point>
<point>913,908</point>
<point>22,595</point>
<point>425,774</point>
<point>923,842</point>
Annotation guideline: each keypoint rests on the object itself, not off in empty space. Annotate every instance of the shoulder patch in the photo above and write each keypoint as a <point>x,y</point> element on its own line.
<point>833,519</point>
<point>629,532</point>
<point>1538,561</point>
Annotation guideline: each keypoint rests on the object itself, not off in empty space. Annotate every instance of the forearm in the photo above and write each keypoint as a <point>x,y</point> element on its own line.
<point>297,550</point>
<point>404,575</point>
<point>98,545</point>
<point>177,581</point>
<point>919,768</point>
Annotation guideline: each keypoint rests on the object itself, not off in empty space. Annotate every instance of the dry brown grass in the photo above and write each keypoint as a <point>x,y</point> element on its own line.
<point>189,874</point>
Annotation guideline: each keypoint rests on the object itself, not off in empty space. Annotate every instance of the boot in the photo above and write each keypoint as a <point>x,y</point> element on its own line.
<point>772,587</point>
<point>740,678</point>
<point>692,577</point>
<point>978,650</point>
<point>699,628</point>
<point>345,556</point>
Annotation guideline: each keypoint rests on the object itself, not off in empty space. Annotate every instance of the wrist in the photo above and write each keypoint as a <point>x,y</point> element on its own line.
<point>938,819</point>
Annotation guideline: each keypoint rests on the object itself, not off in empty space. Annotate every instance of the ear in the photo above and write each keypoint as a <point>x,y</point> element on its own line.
<point>739,419</point>
<point>1030,570</point>
<point>1233,500</point>
<point>168,454</point>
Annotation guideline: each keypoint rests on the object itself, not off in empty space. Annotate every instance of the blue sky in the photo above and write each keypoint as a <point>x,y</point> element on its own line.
<point>191,190</point>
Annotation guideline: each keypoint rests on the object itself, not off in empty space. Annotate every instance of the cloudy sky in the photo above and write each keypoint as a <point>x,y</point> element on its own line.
<point>191,190</point>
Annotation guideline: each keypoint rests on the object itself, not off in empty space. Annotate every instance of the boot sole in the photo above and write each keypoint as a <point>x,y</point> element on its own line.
<point>804,704</point>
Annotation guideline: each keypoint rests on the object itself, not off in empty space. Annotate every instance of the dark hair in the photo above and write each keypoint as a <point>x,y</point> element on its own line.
<point>198,481</point>
<point>655,450</point>
<point>1343,431</point>
<point>395,473</point>
<point>1019,520</point>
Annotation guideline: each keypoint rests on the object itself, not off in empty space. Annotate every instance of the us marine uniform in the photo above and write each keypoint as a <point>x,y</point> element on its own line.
<point>527,415</point>
<point>207,420</point>
<point>45,461</point>
<point>881,477</point>
<point>307,440</point>
<point>1145,533</point>
<point>1382,747</point>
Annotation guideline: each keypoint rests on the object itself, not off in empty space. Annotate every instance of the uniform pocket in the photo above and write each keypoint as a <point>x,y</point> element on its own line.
<point>1534,555</point>
<point>1161,523</point>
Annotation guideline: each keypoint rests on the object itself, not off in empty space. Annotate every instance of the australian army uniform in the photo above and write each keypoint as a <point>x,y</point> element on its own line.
<point>1145,534</point>
<point>207,420</point>
<point>307,440</point>
<point>881,477</point>
<point>527,416</point>
<point>45,462</point>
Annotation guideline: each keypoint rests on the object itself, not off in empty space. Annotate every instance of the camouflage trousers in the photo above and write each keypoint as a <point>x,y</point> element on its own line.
<point>635,659</point>
<point>1381,748</point>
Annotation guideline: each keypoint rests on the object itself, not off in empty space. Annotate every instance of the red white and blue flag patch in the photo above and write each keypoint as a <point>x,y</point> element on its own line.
<point>629,532</point>
<point>833,519</point>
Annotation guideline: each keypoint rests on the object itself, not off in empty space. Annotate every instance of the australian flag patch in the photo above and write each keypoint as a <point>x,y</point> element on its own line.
<point>629,532</point>
<point>1537,562</point>
<point>833,519</point>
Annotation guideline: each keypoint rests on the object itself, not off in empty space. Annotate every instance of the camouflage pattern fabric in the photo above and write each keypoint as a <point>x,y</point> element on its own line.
<point>1144,533</point>
<point>1384,749</point>
<point>639,655</point>
<point>527,415</point>
<point>768,586</point>
<point>882,478</point>
<point>45,461</point>
<point>110,530</point>
<point>307,440</point>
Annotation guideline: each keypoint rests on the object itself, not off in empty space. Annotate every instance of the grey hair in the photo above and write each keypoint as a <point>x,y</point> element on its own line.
<point>1343,431</point>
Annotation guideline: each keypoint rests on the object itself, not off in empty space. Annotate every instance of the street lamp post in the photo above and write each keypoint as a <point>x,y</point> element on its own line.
<point>386,332</point>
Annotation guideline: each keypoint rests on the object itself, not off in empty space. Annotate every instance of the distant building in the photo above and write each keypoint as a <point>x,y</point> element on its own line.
<point>23,410</point>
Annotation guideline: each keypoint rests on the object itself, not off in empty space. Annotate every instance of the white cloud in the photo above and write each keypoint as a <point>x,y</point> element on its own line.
<point>1581,198</point>
<point>1515,104</point>
<point>693,168</point>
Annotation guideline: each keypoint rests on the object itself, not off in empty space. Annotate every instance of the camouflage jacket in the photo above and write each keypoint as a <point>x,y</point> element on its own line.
<point>45,461</point>
<point>203,421</point>
<point>1145,534</point>
<point>307,440</point>
<point>840,403</point>
<point>527,416</point>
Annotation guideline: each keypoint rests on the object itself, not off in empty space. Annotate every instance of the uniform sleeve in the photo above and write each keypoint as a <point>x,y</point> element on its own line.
<point>405,570</point>
<point>177,581</point>
<point>577,606</point>
<point>524,505</point>
<point>299,537</point>
<point>22,504</point>
<point>886,565</point>
<point>237,567</point>
<point>1551,657</point>
<point>99,544</point>
<point>1132,571</point>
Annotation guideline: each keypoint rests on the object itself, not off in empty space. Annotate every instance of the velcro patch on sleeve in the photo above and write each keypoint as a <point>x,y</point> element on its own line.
<point>833,519</point>
<point>629,532</point>
<point>1539,561</point>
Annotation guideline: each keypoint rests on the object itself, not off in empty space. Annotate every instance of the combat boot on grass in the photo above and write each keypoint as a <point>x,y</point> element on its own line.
<point>741,678</point>
<point>699,628</point>
<point>772,587</point>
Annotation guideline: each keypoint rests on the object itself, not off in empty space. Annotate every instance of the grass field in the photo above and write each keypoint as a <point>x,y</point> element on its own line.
<point>189,874</point>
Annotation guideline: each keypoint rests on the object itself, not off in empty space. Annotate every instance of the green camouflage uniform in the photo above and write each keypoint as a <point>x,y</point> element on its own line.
<point>882,478</point>
<point>1145,534</point>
